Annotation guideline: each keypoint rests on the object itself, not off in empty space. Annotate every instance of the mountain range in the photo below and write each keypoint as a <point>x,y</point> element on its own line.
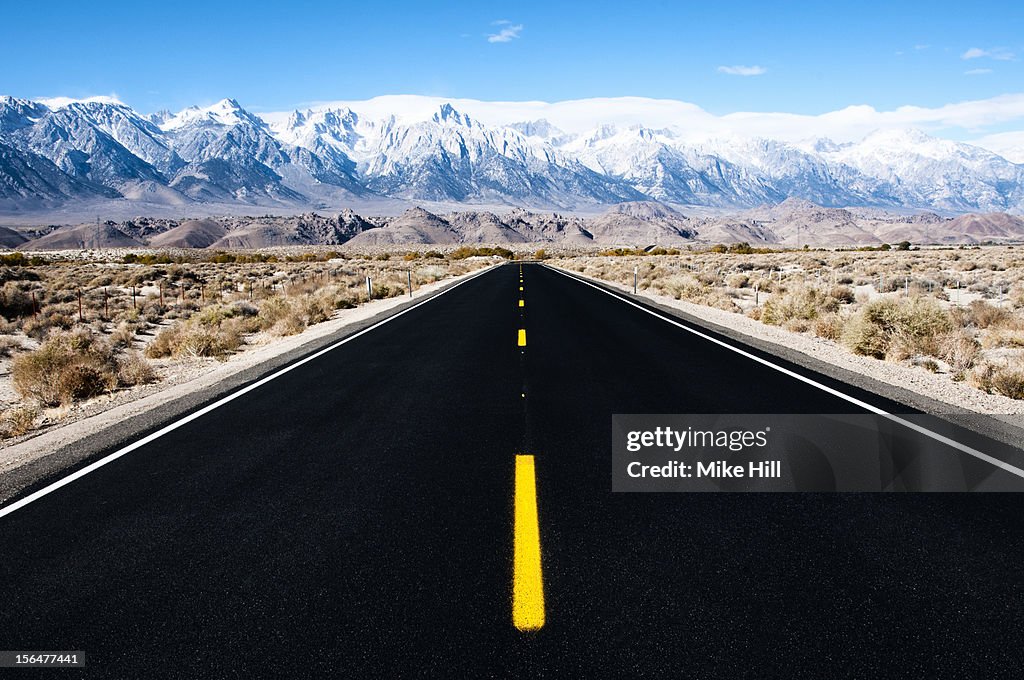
<point>100,152</point>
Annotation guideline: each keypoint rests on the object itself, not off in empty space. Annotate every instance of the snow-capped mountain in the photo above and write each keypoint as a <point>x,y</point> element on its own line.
<point>908,167</point>
<point>449,156</point>
<point>420,149</point>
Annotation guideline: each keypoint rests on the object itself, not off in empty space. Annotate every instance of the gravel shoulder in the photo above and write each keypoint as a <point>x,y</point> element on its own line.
<point>118,419</point>
<point>994,415</point>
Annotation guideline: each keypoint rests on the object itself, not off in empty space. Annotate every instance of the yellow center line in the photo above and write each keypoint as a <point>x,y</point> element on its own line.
<point>522,303</point>
<point>527,581</point>
<point>522,337</point>
<point>520,289</point>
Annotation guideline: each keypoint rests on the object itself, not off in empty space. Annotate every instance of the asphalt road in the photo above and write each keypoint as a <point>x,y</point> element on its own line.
<point>354,517</point>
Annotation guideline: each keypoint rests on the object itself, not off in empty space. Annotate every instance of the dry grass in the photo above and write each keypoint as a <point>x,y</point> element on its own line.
<point>69,366</point>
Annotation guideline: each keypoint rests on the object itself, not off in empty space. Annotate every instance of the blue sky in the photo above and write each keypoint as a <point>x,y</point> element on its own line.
<point>807,57</point>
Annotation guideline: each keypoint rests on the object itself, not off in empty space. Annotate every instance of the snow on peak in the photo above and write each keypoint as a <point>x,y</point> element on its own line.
<point>226,112</point>
<point>897,137</point>
<point>57,103</point>
<point>447,113</point>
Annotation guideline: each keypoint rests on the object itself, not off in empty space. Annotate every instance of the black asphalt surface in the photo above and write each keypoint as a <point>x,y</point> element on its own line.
<point>353,518</point>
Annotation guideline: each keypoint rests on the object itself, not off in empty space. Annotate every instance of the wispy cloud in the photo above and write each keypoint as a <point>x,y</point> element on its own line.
<point>997,53</point>
<point>508,32</point>
<point>977,71</point>
<point>921,47</point>
<point>743,70</point>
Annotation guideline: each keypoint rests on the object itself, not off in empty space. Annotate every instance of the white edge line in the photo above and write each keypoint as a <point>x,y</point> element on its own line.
<point>92,467</point>
<point>836,393</point>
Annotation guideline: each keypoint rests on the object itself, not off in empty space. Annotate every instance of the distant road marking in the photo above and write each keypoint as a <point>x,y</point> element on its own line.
<point>217,404</point>
<point>836,393</point>
<point>522,303</point>
<point>522,337</point>
<point>527,580</point>
<point>520,289</point>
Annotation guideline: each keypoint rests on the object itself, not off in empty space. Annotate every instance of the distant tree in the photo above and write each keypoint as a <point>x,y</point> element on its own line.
<point>903,245</point>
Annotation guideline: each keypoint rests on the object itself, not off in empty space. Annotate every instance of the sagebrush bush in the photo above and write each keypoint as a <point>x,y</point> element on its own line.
<point>61,317</point>
<point>9,345</point>
<point>191,339</point>
<point>980,314</point>
<point>959,349</point>
<point>1001,379</point>
<point>828,326</point>
<point>133,369</point>
<point>799,304</point>
<point>65,368</point>
<point>17,421</point>
<point>123,335</point>
<point>273,310</point>
<point>15,300</point>
<point>897,328</point>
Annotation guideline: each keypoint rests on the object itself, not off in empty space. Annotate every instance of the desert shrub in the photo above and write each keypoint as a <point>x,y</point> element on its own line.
<point>65,368</point>
<point>163,344</point>
<point>1009,382</point>
<point>1017,296</point>
<point>15,300</point>
<point>1000,379</point>
<point>797,325</point>
<point>738,280</point>
<point>123,335</point>
<point>842,294</point>
<point>828,326</point>
<point>61,317</point>
<point>244,308</point>
<point>897,328</point>
<point>272,310</point>
<point>214,315</point>
<point>17,421</point>
<point>980,314</point>
<point>9,345</point>
<point>803,304</point>
<point>81,381</point>
<point>191,339</point>
<point>292,324</point>
<point>380,291</point>
<point>959,349</point>
<point>1007,331</point>
<point>133,369</point>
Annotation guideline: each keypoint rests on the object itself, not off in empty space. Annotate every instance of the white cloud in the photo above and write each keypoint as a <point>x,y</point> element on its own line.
<point>62,102</point>
<point>921,47</point>
<point>743,70</point>
<point>1009,145</point>
<point>963,119</point>
<point>977,71</point>
<point>997,53</point>
<point>508,33</point>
